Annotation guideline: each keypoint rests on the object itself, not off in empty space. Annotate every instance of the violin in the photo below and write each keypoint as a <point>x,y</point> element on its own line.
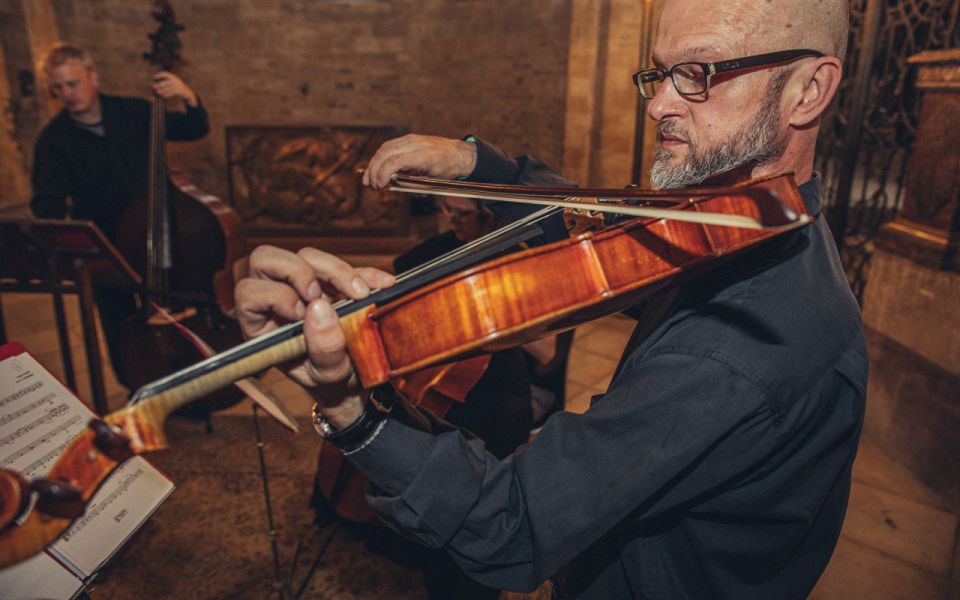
<point>462,305</point>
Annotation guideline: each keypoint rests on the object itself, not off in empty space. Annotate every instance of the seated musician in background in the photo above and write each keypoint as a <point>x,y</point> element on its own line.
<point>95,153</point>
<point>718,463</point>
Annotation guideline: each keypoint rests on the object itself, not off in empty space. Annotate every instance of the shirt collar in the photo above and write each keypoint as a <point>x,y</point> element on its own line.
<point>810,192</point>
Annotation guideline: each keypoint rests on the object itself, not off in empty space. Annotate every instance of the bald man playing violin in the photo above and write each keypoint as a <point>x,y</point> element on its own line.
<point>718,463</point>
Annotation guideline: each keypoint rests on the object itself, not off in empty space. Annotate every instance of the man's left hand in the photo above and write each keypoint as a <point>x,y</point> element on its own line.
<point>167,85</point>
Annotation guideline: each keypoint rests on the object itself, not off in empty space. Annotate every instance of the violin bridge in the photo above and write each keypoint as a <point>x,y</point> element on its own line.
<point>582,220</point>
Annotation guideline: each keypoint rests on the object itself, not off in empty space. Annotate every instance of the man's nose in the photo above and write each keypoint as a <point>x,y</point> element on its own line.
<point>666,102</point>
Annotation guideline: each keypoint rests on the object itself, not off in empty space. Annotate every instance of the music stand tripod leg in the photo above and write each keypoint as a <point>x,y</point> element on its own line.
<point>64,334</point>
<point>57,289</point>
<point>85,292</point>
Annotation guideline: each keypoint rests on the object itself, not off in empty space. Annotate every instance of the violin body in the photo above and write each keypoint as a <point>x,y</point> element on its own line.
<point>528,295</point>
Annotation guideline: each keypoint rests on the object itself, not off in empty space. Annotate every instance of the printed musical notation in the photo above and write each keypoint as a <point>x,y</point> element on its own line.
<point>74,423</point>
<point>10,417</point>
<point>37,423</point>
<point>92,513</point>
<point>39,419</point>
<point>17,395</point>
<point>42,465</point>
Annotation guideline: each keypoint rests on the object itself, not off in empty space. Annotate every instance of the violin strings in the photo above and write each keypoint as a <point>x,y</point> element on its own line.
<point>489,241</point>
<point>296,328</point>
<point>479,243</point>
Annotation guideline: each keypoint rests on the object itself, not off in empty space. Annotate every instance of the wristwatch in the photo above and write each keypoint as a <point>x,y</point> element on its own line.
<point>353,436</point>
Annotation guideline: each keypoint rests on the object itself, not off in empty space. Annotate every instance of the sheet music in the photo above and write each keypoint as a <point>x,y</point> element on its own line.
<point>39,418</point>
<point>115,512</point>
<point>38,578</point>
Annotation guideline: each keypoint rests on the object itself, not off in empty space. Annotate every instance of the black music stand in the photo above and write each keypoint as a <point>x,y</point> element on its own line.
<point>64,257</point>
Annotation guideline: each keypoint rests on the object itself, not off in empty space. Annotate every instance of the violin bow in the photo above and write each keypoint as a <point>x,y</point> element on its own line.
<point>138,427</point>
<point>774,215</point>
<point>286,343</point>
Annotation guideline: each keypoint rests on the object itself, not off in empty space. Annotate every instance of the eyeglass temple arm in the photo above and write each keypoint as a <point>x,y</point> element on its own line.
<point>759,60</point>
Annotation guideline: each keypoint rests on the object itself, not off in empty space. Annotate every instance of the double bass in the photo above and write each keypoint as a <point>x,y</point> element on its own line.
<point>184,243</point>
<point>461,306</point>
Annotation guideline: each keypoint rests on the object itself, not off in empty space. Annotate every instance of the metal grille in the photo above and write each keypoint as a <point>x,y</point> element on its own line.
<point>867,134</point>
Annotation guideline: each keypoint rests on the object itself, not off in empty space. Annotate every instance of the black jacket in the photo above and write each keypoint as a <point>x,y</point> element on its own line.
<point>102,174</point>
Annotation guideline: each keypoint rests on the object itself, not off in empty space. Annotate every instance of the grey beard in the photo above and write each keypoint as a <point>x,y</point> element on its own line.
<point>756,143</point>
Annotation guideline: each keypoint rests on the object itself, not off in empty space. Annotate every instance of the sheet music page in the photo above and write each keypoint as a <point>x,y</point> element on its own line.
<point>115,512</point>
<point>39,417</point>
<point>38,577</point>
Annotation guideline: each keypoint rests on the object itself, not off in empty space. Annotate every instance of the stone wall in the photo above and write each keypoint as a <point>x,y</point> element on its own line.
<point>447,67</point>
<point>21,111</point>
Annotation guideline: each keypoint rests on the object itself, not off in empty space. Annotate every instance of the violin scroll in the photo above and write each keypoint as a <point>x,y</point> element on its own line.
<point>56,498</point>
<point>14,496</point>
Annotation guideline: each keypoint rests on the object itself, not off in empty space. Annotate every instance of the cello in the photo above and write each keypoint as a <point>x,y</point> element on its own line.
<point>184,243</point>
<point>471,307</point>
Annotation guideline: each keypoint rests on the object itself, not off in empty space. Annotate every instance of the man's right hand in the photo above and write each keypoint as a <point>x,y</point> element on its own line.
<point>428,155</point>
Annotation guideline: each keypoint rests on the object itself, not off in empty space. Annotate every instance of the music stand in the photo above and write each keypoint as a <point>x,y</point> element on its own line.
<point>64,257</point>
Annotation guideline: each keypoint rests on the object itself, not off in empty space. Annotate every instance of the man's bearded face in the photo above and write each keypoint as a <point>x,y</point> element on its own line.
<point>755,143</point>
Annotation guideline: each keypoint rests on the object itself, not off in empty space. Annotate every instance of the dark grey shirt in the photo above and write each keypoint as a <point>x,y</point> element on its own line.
<point>717,465</point>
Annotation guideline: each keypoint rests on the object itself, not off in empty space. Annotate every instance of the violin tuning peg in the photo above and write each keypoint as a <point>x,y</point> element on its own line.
<point>110,440</point>
<point>58,498</point>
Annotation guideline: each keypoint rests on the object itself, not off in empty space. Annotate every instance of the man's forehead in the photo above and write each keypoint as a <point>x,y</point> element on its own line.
<point>695,51</point>
<point>701,29</point>
<point>71,67</point>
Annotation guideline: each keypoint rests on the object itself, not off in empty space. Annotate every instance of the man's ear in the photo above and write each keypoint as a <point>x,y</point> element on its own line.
<point>95,78</point>
<point>820,81</point>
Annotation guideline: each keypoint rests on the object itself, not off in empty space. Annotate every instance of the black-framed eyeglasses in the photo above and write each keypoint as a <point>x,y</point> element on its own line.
<point>459,213</point>
<point>692,78</point>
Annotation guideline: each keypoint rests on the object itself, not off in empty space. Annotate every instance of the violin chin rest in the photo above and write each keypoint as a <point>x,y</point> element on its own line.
<point>14,496</point>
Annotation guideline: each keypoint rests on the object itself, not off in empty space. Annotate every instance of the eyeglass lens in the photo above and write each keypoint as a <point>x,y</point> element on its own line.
<point>459,213</point>
<point>688,78</point>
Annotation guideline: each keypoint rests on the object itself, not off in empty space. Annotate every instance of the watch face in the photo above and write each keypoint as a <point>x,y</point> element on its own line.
<point>319,423</point>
